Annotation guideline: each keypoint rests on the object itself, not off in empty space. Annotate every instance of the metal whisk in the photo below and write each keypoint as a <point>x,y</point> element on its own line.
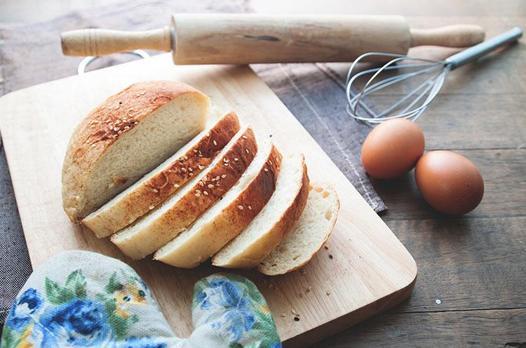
<point>417,80</point>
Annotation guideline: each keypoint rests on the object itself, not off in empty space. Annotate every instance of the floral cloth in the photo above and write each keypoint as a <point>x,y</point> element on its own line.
<point>83,299</point>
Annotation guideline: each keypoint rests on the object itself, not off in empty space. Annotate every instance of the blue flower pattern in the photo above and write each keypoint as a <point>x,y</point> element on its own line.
<point>63,315</point>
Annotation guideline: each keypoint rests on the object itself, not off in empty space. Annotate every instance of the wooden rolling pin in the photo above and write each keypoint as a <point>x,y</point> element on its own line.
<point>254,38</point>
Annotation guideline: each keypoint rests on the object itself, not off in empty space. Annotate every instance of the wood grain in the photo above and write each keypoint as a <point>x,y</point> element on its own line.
<point>479,328</point>
<point>369,270</point>
<point>466,263</point>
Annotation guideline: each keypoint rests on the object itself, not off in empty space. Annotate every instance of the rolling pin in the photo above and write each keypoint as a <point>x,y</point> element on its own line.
<point>255,38</point>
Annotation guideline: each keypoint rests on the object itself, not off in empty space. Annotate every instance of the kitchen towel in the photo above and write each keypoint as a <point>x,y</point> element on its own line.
<point>31,54</point>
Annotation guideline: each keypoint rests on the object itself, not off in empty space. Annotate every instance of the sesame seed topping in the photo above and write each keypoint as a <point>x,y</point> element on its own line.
<point>223,176</point>
<point>266,169</point>
<point>205,193</point>
<point>244,137</point>
<point>190,170</point>
<point>247,151</point>
<point>240,207</point>
<point>236,159</point>
<point>177,185</point>
<point>197,194</point>
<point>200,167</point>
<point>183,170</point>
<point>249,207</point>
<point>215,143</point>
<point>151,207</point>
<point>210,186</point>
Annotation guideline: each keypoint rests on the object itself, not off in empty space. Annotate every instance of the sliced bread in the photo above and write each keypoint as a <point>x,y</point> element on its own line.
<point>307,236</point>
<point>225,220</point>
<point>267,229</point>
<point>128,135</point>
<point>156,186</point>
<point>163,224</point>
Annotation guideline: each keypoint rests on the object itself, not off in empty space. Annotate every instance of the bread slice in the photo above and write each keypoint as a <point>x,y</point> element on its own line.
<point>178,212</point>
<point>156,186</point>
<point>229,217</point>
<point>307,236</point>
<point>128,135</point>
<point>265,232</point>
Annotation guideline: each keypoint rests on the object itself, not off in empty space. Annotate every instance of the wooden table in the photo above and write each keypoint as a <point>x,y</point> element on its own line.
<point>471,289</point>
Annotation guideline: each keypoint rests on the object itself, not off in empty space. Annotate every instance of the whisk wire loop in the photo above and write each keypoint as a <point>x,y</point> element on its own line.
<point>428,74</point>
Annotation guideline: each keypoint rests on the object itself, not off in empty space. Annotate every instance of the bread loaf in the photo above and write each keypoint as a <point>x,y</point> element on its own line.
<point>282,211</point>
<point>307,236</point>
<point>186,205</point>
<point>227,218</point>
<point>126,136</point>
<point>155,187</point>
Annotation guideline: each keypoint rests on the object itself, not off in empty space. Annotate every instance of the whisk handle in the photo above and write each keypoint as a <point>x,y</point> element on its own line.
<point>475,52</point>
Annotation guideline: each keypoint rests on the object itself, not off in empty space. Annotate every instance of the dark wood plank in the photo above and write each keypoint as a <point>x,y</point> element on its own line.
<point>480,328</point>
<point>504,173</point>
<point>466,263</point>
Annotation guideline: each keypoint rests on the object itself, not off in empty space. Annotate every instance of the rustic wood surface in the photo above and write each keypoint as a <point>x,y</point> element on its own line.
<point>474,266</point>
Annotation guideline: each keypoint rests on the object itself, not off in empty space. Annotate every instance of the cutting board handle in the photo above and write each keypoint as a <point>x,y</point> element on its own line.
<point>254,38</point>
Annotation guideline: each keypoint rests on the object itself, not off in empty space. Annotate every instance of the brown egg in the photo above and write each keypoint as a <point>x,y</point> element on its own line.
<point>449,182</point>
<point>392,148</point>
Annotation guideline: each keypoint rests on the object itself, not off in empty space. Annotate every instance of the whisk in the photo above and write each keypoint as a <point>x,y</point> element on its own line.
<point>427,75</point>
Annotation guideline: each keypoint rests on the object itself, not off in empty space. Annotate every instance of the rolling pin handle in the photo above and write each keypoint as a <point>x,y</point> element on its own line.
<point>98,42</point>
<point>463,35</point>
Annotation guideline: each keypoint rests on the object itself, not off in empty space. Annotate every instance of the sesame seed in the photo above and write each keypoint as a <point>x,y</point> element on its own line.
<point>197,191</point>
<point>190,170</point>
<point>266,169</point>
<point>176,185</point>
<point>240,207</point>
<point>244,137</point>
<point>270,162</point>
<point>195,150</point>
<point>236,159</point>
<point>155,190</point>
<point>226,164</point>
<point>197,194</point>
<point>151,207</point>
<point>223,176</point>
<point>249,207</point>
<point>210,186</point>
<point>183,170</point>
<point>205,193</point>
<point>200,167</point>
<point>247,151</point>
<point>215,143</point>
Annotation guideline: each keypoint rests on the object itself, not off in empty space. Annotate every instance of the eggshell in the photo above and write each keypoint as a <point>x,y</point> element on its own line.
<point>449,182</point>
<point>392,148</point>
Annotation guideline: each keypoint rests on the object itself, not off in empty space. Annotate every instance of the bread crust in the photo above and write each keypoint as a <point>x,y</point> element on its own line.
<point>149,194</point>
<point>231,220</point>
<point>103,126</point>
<point>327,233</point>
<point>195,202</point>
<point>258,250</point>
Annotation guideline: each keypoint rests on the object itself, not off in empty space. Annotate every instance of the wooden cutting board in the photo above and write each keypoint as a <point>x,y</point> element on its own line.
<point>364,270</point>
